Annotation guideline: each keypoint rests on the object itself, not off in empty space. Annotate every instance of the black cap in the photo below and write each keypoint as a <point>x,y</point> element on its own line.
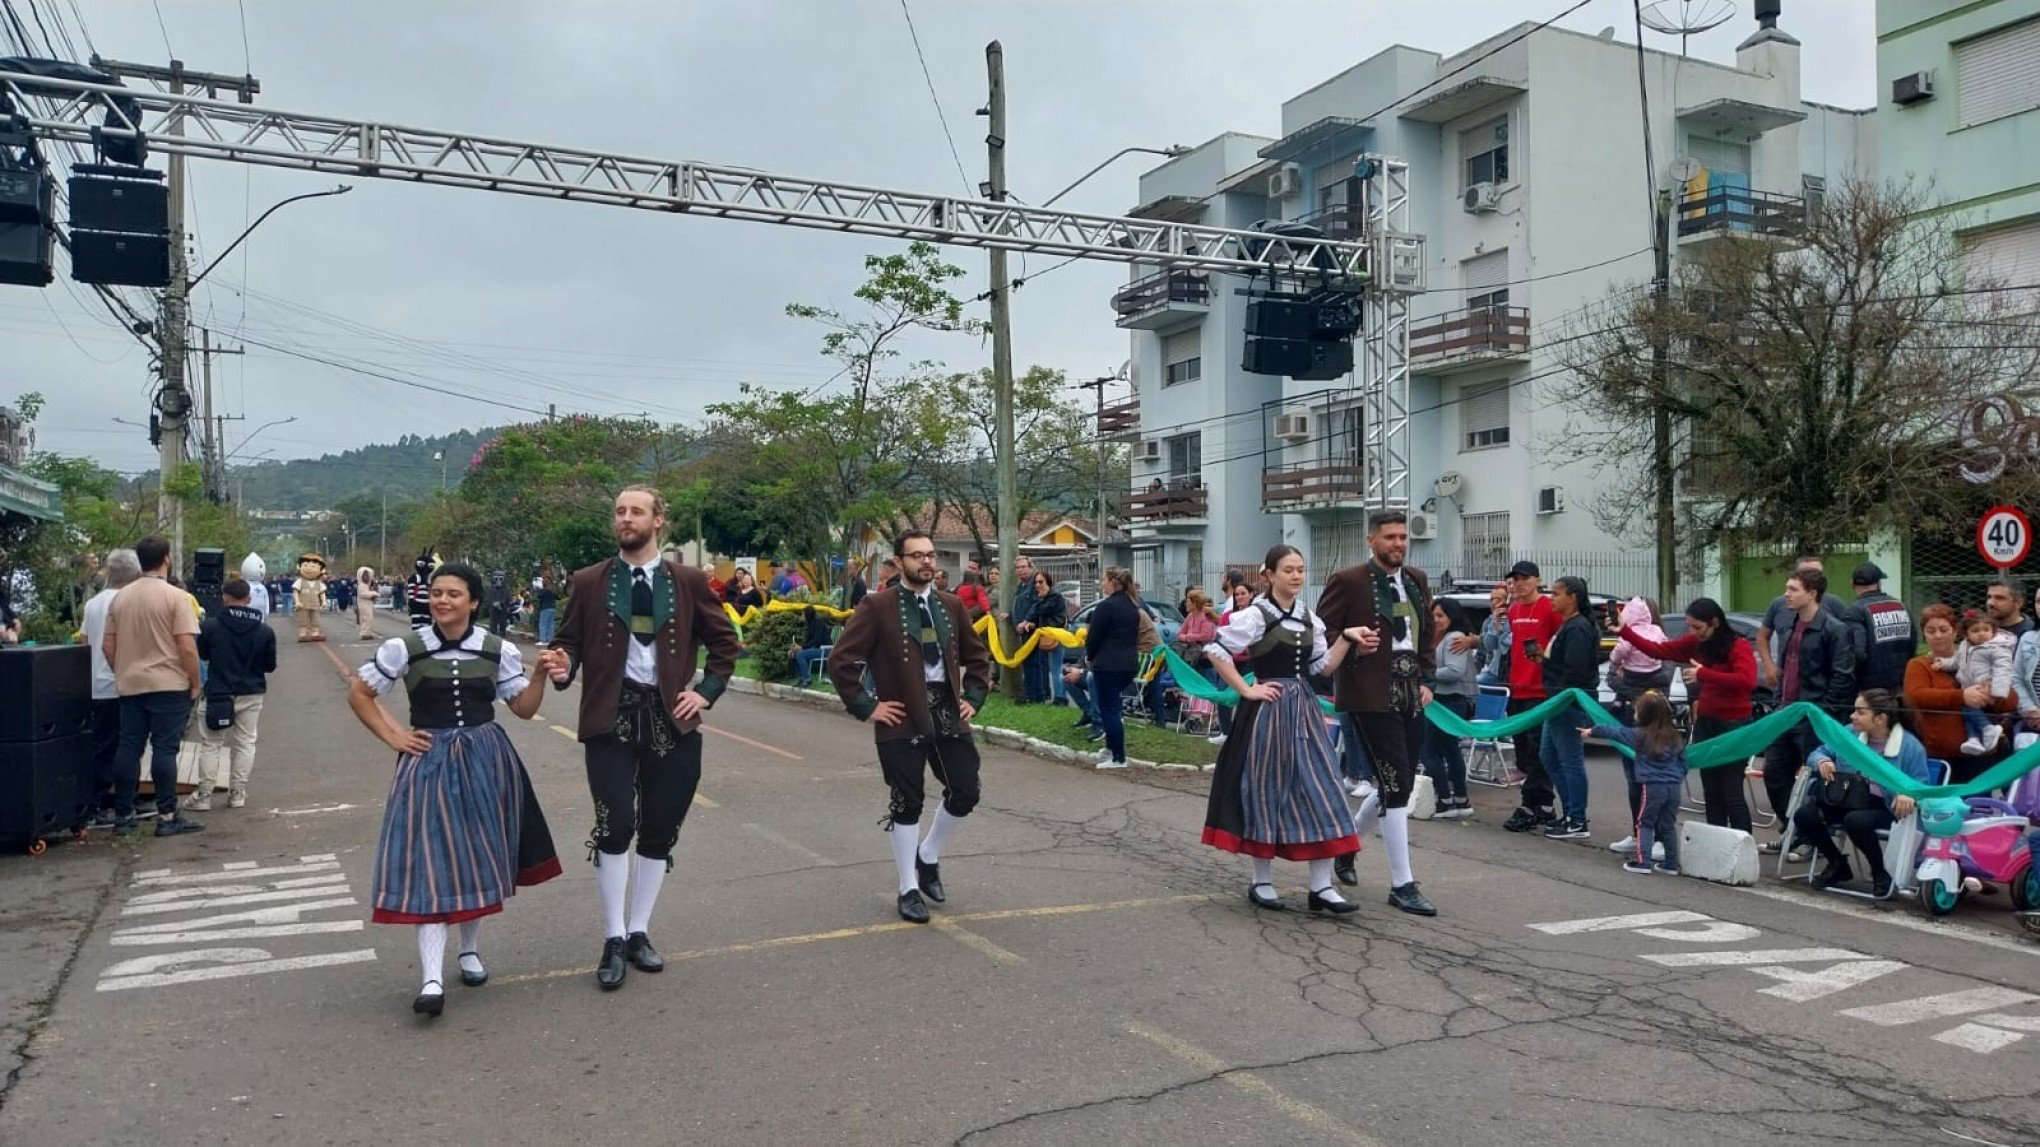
<point>1867,574</point>
<point>1523,569</point>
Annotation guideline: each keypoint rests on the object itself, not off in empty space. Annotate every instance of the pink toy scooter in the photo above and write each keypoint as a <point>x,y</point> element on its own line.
<point>1991,846</point>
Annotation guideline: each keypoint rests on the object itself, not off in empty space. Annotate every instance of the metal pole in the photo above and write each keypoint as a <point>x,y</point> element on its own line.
<point>382,553</point>
<point>1002,356</point>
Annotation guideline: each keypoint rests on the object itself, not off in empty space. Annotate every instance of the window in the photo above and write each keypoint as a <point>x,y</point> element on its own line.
<point>2006,257</point>
<point>1344,436</point>
<point>1182,357</point>
<point>1813,189</point>
<point>1484,549</point>
<point>1186,456</point>
<point>1484,151</point>
<point>1484,413</point>
<point>1994,73</point>
<point>1485,280</point>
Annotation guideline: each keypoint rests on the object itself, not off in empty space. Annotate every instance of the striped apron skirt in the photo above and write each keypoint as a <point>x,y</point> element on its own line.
<point>461,832</point>
<point>1275,792</point>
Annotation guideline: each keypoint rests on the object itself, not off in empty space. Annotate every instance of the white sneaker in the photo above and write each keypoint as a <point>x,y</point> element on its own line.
<point>1626,844</point>
<point>1972,748</point>
<point>1216,739</point>
<point>200,801</point>
<point>1992,735</point>
<point>1657,850</point>
<point>1107,761</point>
<point>238,798</point>
<point>1360,790</point>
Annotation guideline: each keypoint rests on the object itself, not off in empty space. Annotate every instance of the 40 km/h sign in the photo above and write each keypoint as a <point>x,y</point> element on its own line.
<point>2004,537</point>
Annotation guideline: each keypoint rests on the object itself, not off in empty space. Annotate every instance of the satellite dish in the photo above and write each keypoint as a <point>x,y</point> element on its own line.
<point>1685,18</point>
<point>1684,171</point>
<point>1607,33</point>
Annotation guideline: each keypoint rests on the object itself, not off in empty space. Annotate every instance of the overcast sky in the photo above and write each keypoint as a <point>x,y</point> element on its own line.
<point>629,311</point>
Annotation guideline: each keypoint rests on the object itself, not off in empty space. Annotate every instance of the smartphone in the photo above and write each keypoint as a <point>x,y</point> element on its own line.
<point>1530,648</point>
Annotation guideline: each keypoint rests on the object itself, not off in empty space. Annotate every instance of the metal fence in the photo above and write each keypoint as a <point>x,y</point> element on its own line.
<point>1948,569</point>
<point>1619,574</point>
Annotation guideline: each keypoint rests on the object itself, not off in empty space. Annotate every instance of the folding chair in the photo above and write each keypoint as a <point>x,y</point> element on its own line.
<point>1490,761</point>
<point>1902,841</point>
<point>1197,716</point>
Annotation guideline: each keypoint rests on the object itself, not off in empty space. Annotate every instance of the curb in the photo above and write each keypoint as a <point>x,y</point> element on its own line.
<point>1004,738</point>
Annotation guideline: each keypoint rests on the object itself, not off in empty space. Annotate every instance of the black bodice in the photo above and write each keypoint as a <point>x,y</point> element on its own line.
<point>1282,651</point>
<point>453,694</point>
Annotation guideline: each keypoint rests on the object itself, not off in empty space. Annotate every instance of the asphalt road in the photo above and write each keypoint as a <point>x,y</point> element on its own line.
<point>1096,977</point>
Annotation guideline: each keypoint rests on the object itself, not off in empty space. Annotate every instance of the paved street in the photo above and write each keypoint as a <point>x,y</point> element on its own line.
<point>1096,977</point>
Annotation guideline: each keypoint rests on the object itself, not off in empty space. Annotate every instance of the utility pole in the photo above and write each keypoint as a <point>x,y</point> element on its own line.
<point>215,444</point>
<point>1002,353</point>
<point>174,399</point>
<point>1097,386</point>
<point>1663,473</point>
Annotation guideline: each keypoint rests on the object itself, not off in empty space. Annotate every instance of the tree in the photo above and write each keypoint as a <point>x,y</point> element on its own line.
<point>540,493</point>
<point>1057,462</point>
<point>1812,380</point>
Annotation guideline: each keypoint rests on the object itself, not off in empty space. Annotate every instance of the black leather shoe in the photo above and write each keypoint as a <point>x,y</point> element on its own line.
<point>1343,869</point>
<point>1834,874</point>
<point>1880,885</point>
<point>931,879</point>
<point>913,909</point>
<point>474,979</point>
<point>1270,901</point>
<point>610,971</point>
<point>1407,898</point>
<point>177,826</point>
<point>429,1003</point>
<point>1318,903</point>
<point>642,955</point>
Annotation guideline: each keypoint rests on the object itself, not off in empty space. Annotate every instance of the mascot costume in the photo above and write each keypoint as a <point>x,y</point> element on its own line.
<point>364,603</point>
<point>311,596</point>
<point>418,590</point>
<point>255,573</point>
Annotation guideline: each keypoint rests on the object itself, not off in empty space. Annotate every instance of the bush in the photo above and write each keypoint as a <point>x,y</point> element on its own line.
<point>770,640</point>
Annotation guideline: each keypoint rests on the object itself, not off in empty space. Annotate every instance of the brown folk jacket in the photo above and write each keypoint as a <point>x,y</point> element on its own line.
<point>877,638</point>
<point>1360,683</point>
<point>594,637</point>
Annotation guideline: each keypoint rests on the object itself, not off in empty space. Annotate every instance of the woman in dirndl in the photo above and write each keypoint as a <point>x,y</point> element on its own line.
<point>462,830</point>
<point>1276,791</point>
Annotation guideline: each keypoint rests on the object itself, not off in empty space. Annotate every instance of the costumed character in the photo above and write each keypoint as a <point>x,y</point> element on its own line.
<point>364,603</point>
<point>929,673</point>
<point>462,830</point>
<point>311,596</point>
<point>418,589</point>
<point>256,575</point>
<point>637,623</point>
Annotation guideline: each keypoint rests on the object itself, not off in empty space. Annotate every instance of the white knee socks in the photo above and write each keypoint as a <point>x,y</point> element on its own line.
<point>938,834</point>
<point>471,946</point>
<point>1365,816</point>
<point>1395,832</point>
<point>905,839</point>
<point>431,955</point>
<point>1321,880</point>
<point>646,877</point>
<point>612,874</point>
<point>1264,870</point>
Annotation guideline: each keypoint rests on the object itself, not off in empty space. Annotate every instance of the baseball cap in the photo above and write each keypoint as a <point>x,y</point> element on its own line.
<point>1523,569</point>
<point>1867,574</point>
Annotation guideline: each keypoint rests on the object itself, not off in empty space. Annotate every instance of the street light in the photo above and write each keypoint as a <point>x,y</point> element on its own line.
<point>250,437</point>
<point>1174,151</point>
<point>250,229</point>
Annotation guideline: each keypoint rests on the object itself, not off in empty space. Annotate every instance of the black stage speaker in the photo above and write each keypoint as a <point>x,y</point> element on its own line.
<point>26,232</point>
<point>106,203</point>
<point>208,577</point>
<point>1328,360</point>
<point>1275,356</point>
<point>44,786</point>
<point>47,692</point>
<point>116,258</point>
<point>1281,319</point>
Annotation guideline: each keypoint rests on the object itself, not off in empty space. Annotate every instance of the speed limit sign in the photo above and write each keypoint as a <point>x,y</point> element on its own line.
<point>2004,536</point>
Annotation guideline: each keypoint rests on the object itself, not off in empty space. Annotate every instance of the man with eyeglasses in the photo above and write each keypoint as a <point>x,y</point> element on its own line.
<point>929,673</point>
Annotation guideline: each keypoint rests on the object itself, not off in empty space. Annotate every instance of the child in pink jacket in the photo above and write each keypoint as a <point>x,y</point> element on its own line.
<point>1631,671</point>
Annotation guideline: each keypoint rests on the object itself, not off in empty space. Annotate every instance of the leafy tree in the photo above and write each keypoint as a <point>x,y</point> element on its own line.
<point>540,494</point>
<point>1058,463</point>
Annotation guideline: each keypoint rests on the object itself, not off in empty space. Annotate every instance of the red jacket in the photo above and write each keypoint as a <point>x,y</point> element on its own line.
<point>1724,685</point>
<point>1537,621</point>
<point>973,597</point>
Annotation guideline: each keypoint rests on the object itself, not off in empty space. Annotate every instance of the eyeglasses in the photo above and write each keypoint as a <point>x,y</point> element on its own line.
<point>920,556</point>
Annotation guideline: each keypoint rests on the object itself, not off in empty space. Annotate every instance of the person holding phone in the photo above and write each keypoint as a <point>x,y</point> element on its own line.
<point>1532,622</point>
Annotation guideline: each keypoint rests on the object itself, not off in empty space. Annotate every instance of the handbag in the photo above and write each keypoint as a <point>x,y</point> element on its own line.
<point>219,712</point>
<point>1845,792</point>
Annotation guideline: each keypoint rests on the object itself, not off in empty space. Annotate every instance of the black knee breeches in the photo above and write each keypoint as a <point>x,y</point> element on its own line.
<point>1392,741</point>
<point>905,763</point>
<point>642,778</point>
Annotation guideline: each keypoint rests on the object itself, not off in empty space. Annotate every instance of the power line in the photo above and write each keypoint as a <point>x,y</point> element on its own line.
<point>935,99</point>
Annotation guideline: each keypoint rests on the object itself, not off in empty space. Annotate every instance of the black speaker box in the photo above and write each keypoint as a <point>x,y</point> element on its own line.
<point>120,259</point>
<point>43,787</point>
<point>26,254</point>
<point>1275,356</point>
<point>1281,319</point>
<point>26,197</point>
<point>47,692</point>
<point>208,568</point>
<point>1328,360</point>
<point>129,205</point>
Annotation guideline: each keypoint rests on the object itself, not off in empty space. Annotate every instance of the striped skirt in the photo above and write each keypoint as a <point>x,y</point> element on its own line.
<point>461,832</point>
<point>1275,791</point>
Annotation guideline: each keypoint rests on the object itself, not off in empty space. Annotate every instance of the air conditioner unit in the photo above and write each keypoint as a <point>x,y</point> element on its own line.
<point>1151,450</point>
<point>1551,500</point>
<point>1481,199</point>
<point>1912,89</point>
<point>1448,484</point>
<point>1423,527</point>
<point>1284,181</point>
<point>1294,427</point>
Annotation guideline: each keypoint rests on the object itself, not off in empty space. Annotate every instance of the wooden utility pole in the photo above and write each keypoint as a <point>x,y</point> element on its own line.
<point>1002,358</point>
<point>215,425</point>
<point>1663,473</point>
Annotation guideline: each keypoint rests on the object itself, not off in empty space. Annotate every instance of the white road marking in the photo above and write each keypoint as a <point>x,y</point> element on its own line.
<point>314,809</point>
<point>264,932</point>
<point>2016,1023</point>
<point>1619,923</point>
<point>1801,986</point>
<point>206,890</point>
<point>1707,932</point>
<point>1754,956</point>
<point>258,897</point>
<point>1937,1007</point>
<point>327,865</point>
<point>1977,1038</point>
<point>236,865</point>
<point>239,967</point>
<point>1946,929</point>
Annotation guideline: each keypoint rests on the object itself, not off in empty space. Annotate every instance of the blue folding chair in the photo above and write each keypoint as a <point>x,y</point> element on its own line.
<point>1490,761</point>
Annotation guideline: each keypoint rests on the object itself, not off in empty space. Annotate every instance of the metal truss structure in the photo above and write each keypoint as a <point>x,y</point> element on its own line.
<point>1383,370</point>
<point>244,133</point>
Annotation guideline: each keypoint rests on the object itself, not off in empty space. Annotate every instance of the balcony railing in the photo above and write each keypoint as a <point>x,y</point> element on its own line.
<point>1740,210</point>
<point>1478,334</point>
<point>1161,297</point>
<point>1118,421</point>
<point>1178,498</point>
<point>1294,484</point>
<point>1339,221</point>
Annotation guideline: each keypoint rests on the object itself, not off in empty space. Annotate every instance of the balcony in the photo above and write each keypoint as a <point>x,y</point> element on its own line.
<point>1119,421</point>
<point>1739,211</point>
<point>1344,222</point>
<point>1299,486</point>
<point>1183,501</point>
<point>1163,299</point>
<point>1475,337</point>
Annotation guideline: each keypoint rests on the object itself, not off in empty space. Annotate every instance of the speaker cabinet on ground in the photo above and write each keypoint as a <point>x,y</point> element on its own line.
<point>45,691</point>
<point>44,787</point>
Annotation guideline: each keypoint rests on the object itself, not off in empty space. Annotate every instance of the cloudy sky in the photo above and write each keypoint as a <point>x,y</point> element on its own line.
<point>605,310</point>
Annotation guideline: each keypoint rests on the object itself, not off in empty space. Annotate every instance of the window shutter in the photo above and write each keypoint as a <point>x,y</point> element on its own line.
<point>1719,157</point>
<point>1996,74</point>
<point>1486,408</point>
<point>2008,257</point>
<point>1182,346</point>
<point>1482,274</point>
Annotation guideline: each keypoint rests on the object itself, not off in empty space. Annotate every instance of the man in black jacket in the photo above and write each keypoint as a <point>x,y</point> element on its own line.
<point>1570,661</point>
<point>240,651</point>
<point>1883,631</point>
<point>1817,663</point>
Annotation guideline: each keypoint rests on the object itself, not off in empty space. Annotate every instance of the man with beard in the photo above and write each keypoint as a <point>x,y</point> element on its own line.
<point>929,671</point>
<point>637,622</point>
<point>1381,685</point>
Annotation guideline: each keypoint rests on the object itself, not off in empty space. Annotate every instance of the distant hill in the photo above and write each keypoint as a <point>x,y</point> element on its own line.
<point>405,466</point>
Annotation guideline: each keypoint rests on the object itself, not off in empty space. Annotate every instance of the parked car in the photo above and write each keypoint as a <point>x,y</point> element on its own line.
<point>1167,618</point>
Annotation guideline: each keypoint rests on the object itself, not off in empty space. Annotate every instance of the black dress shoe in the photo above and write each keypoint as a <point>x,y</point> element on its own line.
<point>1270,901</point>
<point>429,1003</point>
<point>1319,903</point>
<point>642,955</point>
<point>1343,869</point>
<point>610,971</point>
<point>913,909</point>
<point>1834,874</point>
<point>931,879</point>
<point>1407,898</point>
<point>474,979</point>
